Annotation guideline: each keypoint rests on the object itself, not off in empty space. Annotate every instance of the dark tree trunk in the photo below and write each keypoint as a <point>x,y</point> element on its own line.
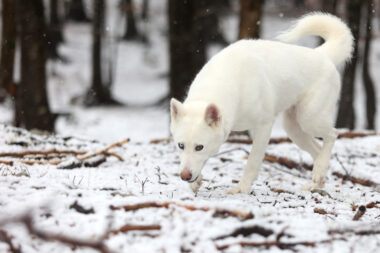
<point>8,46</point>
<point>367,79</point>
<point>76,11</point>
<point>187,45</point>
<point>145,10</point>
<point>329,6</point>
<point>131,32</point>
<point>250,18</point>
<point>100,90</point>
<point>54,36</point>
<point>209,12</point>
<point>35,112</point>
<point>346,114</point>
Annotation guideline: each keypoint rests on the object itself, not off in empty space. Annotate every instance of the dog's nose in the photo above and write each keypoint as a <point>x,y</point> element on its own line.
<point>186,175</point>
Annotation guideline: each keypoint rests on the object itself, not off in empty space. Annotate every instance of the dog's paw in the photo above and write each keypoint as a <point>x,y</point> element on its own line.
<point>239,189</point>
<point>311,186</point>
<point>196,185</point>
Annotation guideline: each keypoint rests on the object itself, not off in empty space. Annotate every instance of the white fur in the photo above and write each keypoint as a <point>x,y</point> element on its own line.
<point>251,82</point>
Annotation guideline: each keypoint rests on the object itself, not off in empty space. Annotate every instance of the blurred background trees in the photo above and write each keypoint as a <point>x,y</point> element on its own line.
<point>35,30</point>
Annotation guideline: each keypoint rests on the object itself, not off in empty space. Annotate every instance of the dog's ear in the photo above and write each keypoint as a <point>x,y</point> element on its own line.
<point>175,108</point>
<point>212,116</point>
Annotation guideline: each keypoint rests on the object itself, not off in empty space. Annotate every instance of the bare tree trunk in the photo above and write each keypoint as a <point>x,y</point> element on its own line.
<point>329,6</point>
<point>212,21</point>
<point>34,105</point>
<point>367,79</point>
<point>250,18</point>
<point>187,45</point>
<point>145,10</point>
<point>100,90</point>
<point>76,11</point>
<point>131,32</point>
<point>8,46</point>
<point>346,114</point>
<point>54,35</point>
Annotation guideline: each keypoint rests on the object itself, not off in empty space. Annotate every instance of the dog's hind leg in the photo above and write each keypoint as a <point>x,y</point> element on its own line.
<point>321,163</point>
<point>261,135</point>
<point>314,114</point>
<point>303,140</point>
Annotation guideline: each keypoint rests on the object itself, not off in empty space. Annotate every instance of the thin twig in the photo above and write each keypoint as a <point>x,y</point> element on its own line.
<point>129,227</point>
<point>105,151</point>
<point>355,180</point>
<point>41,152</point>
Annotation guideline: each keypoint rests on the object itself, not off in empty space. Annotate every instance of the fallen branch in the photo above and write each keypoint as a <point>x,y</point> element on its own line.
<point>40,152</point>
<point>81,161</point>
<point>27,221</point>
<point>158,141</point>
<point>105,151</point>
<point>279,191</point>
<point>246,231</point>
<point>10,163</point>
<point>323,211</point>
<point>80,209</point>
<point>355,180</point>
<point>286,162</point>
<point>355,232</point>
<point>4,237</point>
<point>348,135</point>
<point>359,213</point>
<point>128,227</point>
<point>320,211</point>
<point>217,212</point>
<point>278,244</point>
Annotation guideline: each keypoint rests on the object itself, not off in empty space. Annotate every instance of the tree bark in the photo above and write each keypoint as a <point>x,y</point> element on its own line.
<point>8,46</point>
<point>250,18</point>
<point>76,11</point>
<point>35,112</point>
<point>367,79</point>
<point>131,32</point>
<point>329,6</point>
<point>54,36</point>
<point>100,90</point>
<point>186,45</point>
<point>145,10</point>
<point>346,114</point>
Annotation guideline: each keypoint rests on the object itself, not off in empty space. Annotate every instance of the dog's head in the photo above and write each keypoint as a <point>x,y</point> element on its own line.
<point>197,132</point>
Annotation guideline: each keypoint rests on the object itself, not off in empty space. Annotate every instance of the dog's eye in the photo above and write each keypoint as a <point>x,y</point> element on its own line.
<point>198,147</point>
<point>181,145</point>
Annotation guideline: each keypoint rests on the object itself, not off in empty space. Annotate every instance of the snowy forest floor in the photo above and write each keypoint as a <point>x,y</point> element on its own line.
<point>129,199</point>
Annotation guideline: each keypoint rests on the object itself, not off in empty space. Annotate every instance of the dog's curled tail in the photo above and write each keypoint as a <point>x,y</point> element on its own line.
<point>338,38</point>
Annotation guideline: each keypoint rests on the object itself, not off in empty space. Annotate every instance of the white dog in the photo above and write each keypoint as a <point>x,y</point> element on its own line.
<point>247,84</point>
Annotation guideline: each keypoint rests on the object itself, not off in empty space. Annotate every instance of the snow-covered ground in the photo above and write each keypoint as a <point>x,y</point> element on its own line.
<point>149,172</point>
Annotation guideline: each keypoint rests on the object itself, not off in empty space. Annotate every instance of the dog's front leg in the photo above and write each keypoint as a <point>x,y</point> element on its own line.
<point>194,186</point>
<point>261,139</point>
